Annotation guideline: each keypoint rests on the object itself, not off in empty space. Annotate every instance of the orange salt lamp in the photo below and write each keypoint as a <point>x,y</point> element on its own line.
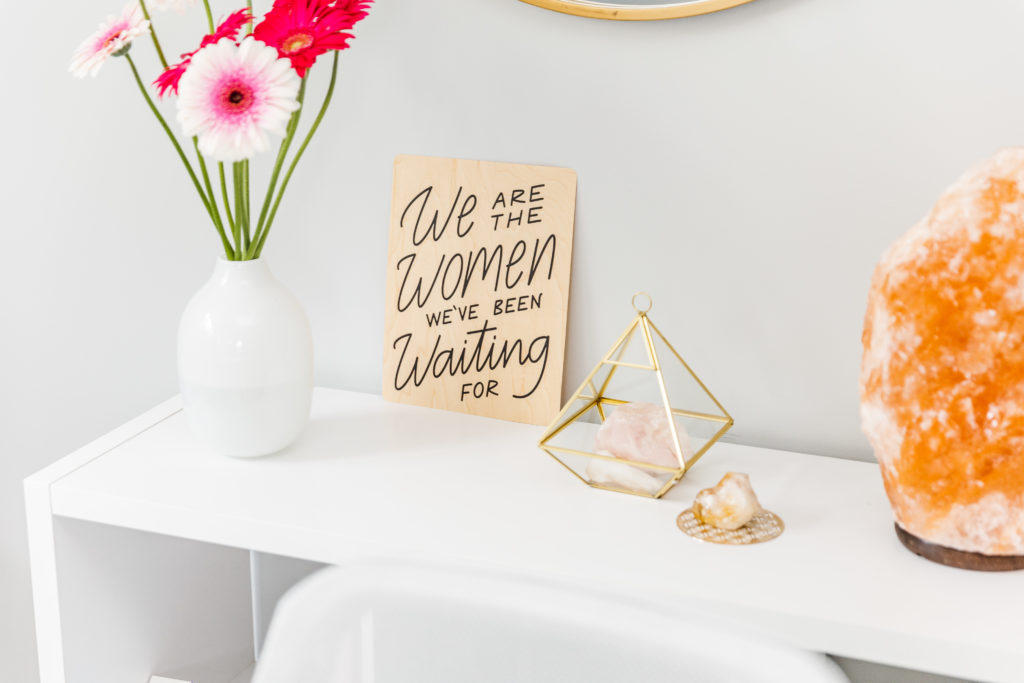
<point>942,375</point>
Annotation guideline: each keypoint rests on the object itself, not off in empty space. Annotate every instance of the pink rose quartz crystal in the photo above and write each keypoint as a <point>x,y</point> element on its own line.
<point>942,375</point>
<point>640,432</point>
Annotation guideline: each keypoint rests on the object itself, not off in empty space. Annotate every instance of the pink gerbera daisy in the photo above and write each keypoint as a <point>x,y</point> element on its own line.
<point>233,95</point>
<point>228,28</point>
<point>114,37</point>
<point>302,30</point>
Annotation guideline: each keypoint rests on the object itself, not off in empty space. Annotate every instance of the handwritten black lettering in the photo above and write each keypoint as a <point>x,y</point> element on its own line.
<point>535,262</point>
<point>518,251</point>
<point>434,230</point>
<point>457,272</point>
<point>477,355</point>
<point>416,296</point>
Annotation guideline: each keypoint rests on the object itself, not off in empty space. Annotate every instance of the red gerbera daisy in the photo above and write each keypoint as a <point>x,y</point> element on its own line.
<point>228,28</point>
<point>302,30</point>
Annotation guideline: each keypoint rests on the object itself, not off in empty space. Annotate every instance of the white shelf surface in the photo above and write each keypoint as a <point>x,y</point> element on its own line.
<point>244,676</point>
<point>375,480</point>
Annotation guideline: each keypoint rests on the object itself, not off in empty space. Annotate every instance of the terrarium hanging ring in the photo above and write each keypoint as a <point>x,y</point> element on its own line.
<point>642,302</point>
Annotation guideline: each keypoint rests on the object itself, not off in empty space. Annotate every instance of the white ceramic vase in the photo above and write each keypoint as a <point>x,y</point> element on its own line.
<point>245,361</point>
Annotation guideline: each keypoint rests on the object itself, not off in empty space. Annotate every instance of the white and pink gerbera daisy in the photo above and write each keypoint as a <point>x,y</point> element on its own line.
<point>233,95</point>
<point>113,37</point>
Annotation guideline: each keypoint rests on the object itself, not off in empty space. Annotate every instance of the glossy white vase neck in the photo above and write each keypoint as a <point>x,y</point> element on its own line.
<point>254,272</point>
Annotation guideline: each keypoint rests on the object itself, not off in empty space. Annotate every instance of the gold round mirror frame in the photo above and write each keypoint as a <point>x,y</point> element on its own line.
<point>597,10</point>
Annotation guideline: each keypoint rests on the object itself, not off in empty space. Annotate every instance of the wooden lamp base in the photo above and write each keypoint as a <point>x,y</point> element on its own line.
<point>958,558</point>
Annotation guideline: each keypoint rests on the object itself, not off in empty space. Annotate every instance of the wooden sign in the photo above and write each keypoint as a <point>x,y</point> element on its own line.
<point>479,260</point>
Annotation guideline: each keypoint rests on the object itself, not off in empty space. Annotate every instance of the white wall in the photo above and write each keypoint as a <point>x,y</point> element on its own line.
<point>746,168</point>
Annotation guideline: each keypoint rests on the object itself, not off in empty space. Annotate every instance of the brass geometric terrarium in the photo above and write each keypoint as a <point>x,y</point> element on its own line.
<point>643,370</point>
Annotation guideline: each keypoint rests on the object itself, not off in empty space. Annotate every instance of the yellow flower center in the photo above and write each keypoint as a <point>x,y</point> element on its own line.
<point>296,42</point>
<point>113,38</point>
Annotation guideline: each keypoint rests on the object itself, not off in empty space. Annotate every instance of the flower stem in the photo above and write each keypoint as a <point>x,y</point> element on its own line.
<point>209,15</point>
<point>224,196</point>
<point>282,153</point>
<point>152,33</point>
<point>248,29</point>
<point>239,211</point>
<point>214,209</point>
<point>181,154</point>
<point>245,204</point>
<point>298,155</point>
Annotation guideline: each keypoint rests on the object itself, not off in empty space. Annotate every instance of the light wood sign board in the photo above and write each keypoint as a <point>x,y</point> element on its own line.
<point>479,260</point>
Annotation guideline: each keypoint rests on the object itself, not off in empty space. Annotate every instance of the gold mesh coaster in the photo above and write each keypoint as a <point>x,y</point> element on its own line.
<point>763,527</point>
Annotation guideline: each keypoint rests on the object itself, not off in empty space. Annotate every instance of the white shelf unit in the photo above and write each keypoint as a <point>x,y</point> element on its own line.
<point>140,542</point>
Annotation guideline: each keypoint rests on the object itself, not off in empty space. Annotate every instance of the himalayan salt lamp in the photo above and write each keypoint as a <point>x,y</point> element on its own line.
<point>729,504</point>
<point>942,374</point>
<point>640,432</point>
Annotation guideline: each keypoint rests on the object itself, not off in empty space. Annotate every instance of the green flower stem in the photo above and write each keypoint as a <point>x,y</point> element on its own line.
<point>282,153</point>
<point>248,29</point>
<point>245,204</point>
<point>224,196</point>
<point>236,169</point>
<point>181,154</point>
<point>298,155</point>
<point>214,209</point>
<point>152,33</point>
<point>209,15</point>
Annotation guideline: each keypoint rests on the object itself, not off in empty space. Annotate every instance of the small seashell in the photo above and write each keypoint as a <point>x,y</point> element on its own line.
<point>621,476</point>
<point>729,505</point>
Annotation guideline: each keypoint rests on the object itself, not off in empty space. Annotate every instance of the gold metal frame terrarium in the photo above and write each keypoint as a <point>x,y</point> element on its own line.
<point>600,394</point>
